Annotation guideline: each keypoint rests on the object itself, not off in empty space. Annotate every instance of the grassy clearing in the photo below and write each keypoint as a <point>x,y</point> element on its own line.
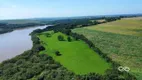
<point>128,26</point>
<point>76,56</point>
<point>124,49</point>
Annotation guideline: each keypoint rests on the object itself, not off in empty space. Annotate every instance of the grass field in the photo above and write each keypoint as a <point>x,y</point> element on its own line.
<point>76,55</point>
<point>126,26</point>
<point>119,41</point>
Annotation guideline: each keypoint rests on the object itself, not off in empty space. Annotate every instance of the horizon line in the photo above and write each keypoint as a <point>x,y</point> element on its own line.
<point>135,14</point>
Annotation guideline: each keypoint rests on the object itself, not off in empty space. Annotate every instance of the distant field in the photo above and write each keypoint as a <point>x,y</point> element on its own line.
<point>102,20</point>
<point>134,18</point>
<point>119,41</point>
<point>19,21</point>
<point>127,26</point>
<point>76,55</point>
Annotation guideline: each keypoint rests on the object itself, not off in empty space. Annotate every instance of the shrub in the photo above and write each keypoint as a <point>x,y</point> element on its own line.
<point>69,39</point>
<point>60,38</point>
<point>48,35</point>
<point>57,53</point>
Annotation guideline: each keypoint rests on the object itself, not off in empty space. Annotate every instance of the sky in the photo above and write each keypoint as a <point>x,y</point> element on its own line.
<point>18,9</point>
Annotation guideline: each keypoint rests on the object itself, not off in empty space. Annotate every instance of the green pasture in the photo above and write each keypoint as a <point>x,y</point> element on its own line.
<point>76,56</point>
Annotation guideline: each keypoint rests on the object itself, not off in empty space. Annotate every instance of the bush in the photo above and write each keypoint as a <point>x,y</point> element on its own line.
<point>60,38</point>
<point>38,48</point>
<point>69,39</point>
<point>57,53</point>
<point>48,35</point>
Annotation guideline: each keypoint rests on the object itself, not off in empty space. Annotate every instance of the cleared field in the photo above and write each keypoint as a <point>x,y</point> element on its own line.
<point>119,43</point>
<point>126,26</point>
<point>76,56</point>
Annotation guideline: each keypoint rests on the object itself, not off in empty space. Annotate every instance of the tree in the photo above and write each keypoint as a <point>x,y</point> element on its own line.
<point>60,38</point>
<point>35,40</point>
<point>38,48</point>
<point>67,31</point>
<point>48,35</point>
<point>0,72</point>
<point>57,53</point>
<point>30,73</point>
<point>69,39</point>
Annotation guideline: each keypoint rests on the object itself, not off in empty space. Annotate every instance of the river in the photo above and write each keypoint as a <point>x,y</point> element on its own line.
<point>16,42</point>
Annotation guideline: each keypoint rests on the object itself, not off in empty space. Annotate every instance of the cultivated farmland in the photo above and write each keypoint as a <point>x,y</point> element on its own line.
<point>120,40</point>
<point>126,26</point>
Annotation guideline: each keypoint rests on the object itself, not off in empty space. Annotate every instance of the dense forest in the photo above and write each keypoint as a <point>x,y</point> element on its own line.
<point>34,66</point>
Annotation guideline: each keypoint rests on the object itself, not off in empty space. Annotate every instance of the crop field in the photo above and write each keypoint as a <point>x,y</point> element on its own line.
<point>76,56</point>
<point>126,26</point>
<point>119,42</point>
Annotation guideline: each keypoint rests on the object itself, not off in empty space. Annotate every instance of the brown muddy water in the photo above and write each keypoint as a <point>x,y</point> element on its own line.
<point>16,42</point>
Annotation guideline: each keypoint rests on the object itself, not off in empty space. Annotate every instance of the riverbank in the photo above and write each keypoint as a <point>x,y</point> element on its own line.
<point>16,42</point>
<point>7,30</point>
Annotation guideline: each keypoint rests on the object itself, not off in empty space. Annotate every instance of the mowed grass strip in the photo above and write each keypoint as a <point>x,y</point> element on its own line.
<point>76,55</point>
<point>125,26</point>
